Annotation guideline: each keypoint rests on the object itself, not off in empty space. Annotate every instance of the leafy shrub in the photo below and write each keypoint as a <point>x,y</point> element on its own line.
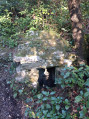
<point>22,24</point>
<point>77,80</point>
<point>50,103</point>
<point>49,106</point>
<point>7,30</point>
<point>73,76</point>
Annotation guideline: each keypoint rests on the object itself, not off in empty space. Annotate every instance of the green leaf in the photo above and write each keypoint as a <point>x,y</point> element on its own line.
<point>45,112</point>
<point>66,101</point>
<point>45,98</point>
<point>53,102</point>
<point>57,107</point>
<point>15,95</point>
<point>86,94</point>
<point>39,96</point>
<point>38,101</point>
<point>87,89</point>
<point>86,118</point>
<point>32,114</point>
<point>49,115</point>
<point>11,86</point>
<point>67,75</point>
<point>84,109</point>
<point>20,91</point>
<point>78,99</point>
<point>63,113</point>
<point>82,114</point>
<point>80,69</point>
<point>26,113</point>
<point>8,82</point>
<point>81,92</point>
<point>53,98</point>
<point>87,104</point>
<point>78,109</point>
<point>48,106</point>
<point>67,107</point>
<point>42,106</point>
<point>81,75</point>
<point>45,93</point>
<point>28,100</point>
<point>38,113</point>
<point>68,116</point>
<point>87,82</point>
<point>52,93</point>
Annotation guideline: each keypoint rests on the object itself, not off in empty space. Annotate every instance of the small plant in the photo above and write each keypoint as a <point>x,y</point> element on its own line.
<point>49,106</point>
<point>72,76</point>
<point>76,82</point>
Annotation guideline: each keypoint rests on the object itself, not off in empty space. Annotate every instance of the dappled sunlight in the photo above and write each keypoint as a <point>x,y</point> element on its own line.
<point>75,30</point>
<point>45,45</point>
<point>52,43</point>
<point>34,51</point>
<point>79,25</point>
<point>42,71</point>
<point>79,36</point>
<point>74,18</point>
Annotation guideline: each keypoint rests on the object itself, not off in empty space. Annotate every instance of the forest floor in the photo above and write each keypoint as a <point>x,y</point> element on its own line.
<point>10,108</point>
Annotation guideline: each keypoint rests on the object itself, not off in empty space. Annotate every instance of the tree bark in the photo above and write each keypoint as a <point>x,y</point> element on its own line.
<point>76,22</point>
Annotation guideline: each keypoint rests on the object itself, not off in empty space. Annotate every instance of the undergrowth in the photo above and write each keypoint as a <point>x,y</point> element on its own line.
<point>68,100</point>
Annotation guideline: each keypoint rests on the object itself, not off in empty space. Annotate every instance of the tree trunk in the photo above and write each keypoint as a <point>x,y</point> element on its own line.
<point>76,21</point>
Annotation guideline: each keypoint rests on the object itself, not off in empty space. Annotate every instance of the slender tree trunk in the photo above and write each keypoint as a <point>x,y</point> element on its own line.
<point>76,22</point>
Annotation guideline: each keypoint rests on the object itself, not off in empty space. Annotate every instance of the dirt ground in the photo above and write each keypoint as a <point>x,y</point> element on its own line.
<point>10,108</point>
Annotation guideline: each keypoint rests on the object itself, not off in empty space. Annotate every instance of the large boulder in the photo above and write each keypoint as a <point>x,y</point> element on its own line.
<point>40,50</point>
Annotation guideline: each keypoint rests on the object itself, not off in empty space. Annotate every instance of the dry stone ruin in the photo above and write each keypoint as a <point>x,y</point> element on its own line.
<point>41,57</point>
